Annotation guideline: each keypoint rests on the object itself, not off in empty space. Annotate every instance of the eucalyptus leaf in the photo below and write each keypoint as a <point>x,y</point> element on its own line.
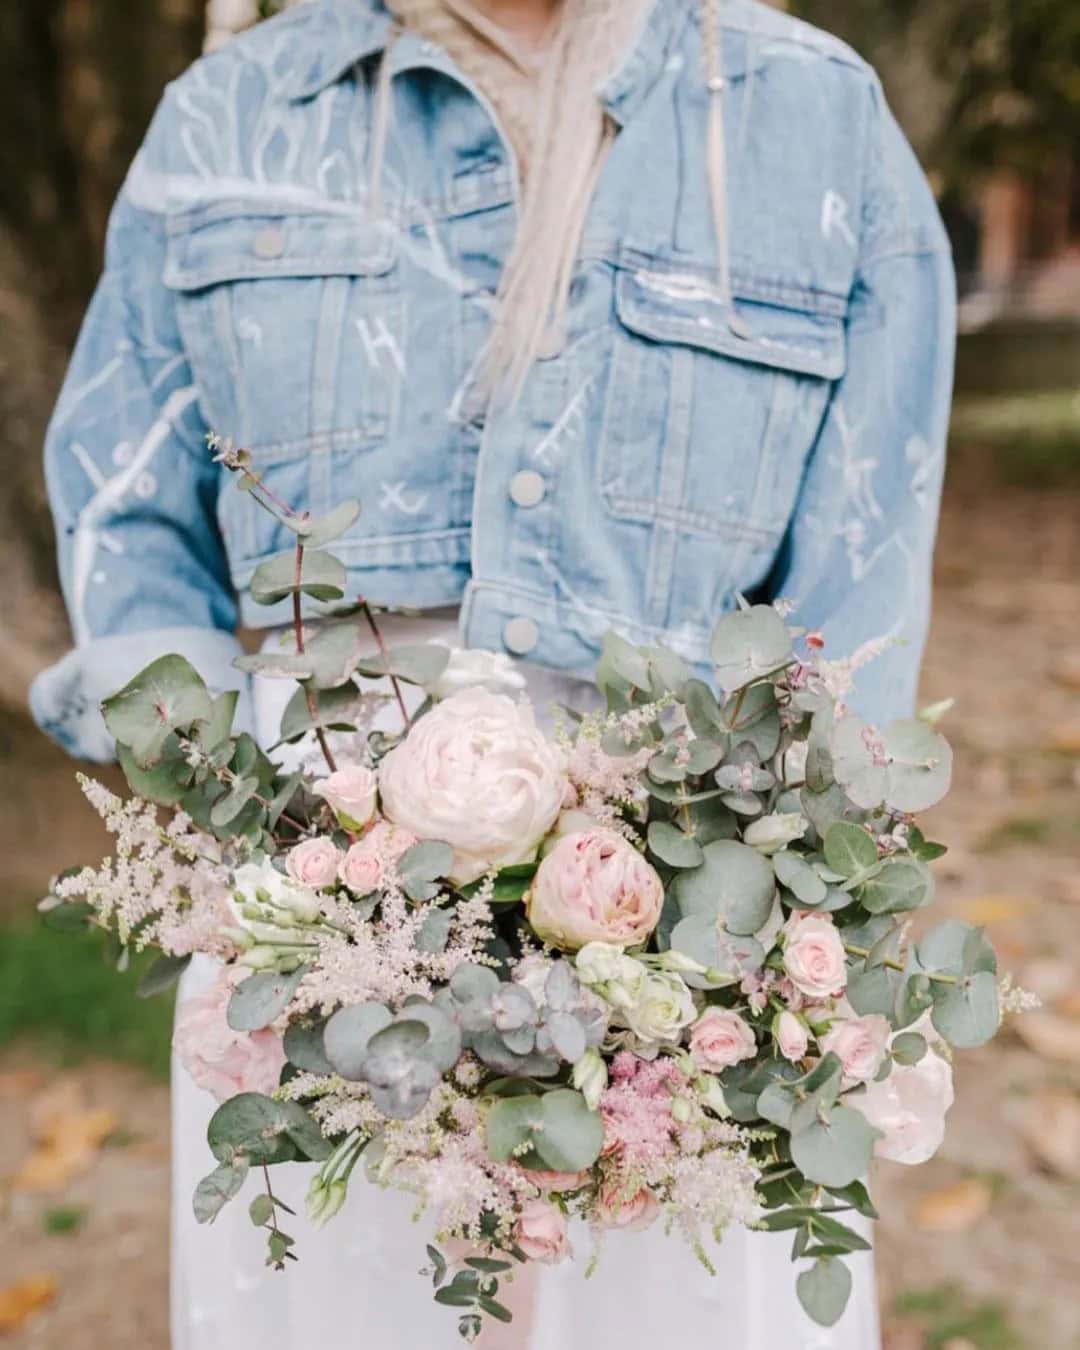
<point>793,871</point>
<point>253,1125</point>
<point>849,849</point>
<point>162,975</point>
<point>304,1047</point>
<point>749,644</point>
<point>968,1014</point>
<point>417,663</point>
<point>674,847</point>
<point>324,530</point>
<point>262,998</point>
<point>734,882</point>
<point>908,1048</point>
<point>227,808</point>
<point>920,765</point>
<point>902,884</point>
<point>824,1290</point>
<point>347,1034</point>
<point>166,782</point>
<point>215,1191</point>
<point>322,576</point>
<point>835,1151</point>
<point>167,696</point>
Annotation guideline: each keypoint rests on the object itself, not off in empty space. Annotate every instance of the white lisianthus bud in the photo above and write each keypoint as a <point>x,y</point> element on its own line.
<point>617,978</point>
<point>769,834</point>
<point>591,1077</point>
<point>259,958</point>
<point>681,1111</point>
<point>711,1093</point>
<point>681,964</point>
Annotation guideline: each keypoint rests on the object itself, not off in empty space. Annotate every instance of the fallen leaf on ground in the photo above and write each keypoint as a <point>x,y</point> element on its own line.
<point>991,909</point>
<point>20,1301</point>
<point>1050,1126</point>
<point>68,1135</point>
<point>1069,1004</point>
<point>954,1208</point>
<point>1065,740</point>
<point>1050,1035</point>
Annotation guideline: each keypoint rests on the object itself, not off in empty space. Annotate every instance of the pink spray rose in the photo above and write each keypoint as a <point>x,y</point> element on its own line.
<point>350,794</point>
<point>719,1039</point>
<point>476,773</point>
<point>222,1061</point>
<point>909,1109</point>
<point>363,869</point>
<point>860,1044</point>
<point>614,1209</point>
<point>594,886</point>
<point>558,1183</point>
<point>814,955</point>
<point>541,1233</point>
<point>314,862</point>
<point>792,1037</point>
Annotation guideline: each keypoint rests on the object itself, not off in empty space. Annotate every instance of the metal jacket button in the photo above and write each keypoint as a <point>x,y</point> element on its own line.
<point>521,635</point>
<point>527,488</point>
<point>269,244</point>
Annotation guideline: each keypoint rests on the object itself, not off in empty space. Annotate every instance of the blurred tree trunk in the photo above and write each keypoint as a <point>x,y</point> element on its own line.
<point>79,80</point>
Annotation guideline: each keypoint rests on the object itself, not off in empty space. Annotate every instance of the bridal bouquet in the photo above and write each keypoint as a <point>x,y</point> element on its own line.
<point>659,968</point>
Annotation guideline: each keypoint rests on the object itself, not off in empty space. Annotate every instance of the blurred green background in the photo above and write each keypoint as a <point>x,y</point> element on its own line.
<point>974,1249</point>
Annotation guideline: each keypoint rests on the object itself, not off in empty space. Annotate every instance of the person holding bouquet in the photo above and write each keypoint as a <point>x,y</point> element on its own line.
<point>610,312</point>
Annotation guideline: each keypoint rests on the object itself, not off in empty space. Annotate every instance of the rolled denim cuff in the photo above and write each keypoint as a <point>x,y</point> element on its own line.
<point>66,698</point>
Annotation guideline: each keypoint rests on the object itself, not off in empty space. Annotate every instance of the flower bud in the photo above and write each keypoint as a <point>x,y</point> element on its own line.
<point>681,1111</point>
<point>591,1077</point>
<point>712,1095</point>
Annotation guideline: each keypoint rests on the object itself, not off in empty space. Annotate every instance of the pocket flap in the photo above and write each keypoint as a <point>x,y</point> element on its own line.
<point>794,334</point>
<point>207,248</point>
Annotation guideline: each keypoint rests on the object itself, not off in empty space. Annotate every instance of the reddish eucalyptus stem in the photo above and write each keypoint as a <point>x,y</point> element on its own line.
<point>309,693</point>
<point>381,644</point>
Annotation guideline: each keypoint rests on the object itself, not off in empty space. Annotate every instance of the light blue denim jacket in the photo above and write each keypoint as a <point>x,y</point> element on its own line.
<point>665,456</point>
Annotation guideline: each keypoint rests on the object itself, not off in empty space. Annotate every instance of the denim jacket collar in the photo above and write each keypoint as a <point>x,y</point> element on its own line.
<point>362,28</point>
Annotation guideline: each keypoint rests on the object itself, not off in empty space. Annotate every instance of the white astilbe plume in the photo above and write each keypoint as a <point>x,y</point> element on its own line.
<point>166,886</point>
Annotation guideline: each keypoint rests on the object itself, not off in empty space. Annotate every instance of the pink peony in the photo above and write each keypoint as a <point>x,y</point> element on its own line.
<point>314,862</point>
<point>594,886</point>
<point>814,955</point>
<point>350,794</point>
<point>615,1209</point>
<point>860,1044</point>
<point>364,868</point>
<point>476,773</point>
<point>222,1061</point>
<point>909,1109</point>
<point>792,1037</point>
<point>719,1039</point>
<point>541,1233</point>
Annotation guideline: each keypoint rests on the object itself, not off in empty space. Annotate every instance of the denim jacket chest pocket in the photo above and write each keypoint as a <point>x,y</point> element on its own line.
<point>708,424</point>
<point>294,325</point>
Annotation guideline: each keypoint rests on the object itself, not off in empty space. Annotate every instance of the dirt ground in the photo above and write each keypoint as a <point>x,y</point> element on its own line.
<point>978,1249</point>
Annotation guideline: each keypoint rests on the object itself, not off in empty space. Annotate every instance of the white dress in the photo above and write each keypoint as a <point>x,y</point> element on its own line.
<point>357,1286</point>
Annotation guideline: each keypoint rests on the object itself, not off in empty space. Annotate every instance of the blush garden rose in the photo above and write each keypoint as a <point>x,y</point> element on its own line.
<point>594,886</point>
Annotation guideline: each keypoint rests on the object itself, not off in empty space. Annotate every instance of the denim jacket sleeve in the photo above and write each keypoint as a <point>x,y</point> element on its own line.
<point>857,558</point>
<point>133,490</point>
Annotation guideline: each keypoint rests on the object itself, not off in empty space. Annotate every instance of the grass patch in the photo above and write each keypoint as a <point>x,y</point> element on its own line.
<point>64,1221</point>
<point>1031,439</point>
<point>945,1314</point>
<point>58,989</point>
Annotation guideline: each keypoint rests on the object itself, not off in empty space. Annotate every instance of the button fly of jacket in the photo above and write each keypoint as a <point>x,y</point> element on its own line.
<point>269,244</point>
<point>521,636</point>
<point>527,488</point>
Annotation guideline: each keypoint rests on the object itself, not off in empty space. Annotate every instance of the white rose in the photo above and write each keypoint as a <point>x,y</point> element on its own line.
<point>860,1044</point>
<point>476,773</point>
<point>909,1109</point>
<point>769,834</point>
<point>477,669</point>
<point>663,1010</point>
